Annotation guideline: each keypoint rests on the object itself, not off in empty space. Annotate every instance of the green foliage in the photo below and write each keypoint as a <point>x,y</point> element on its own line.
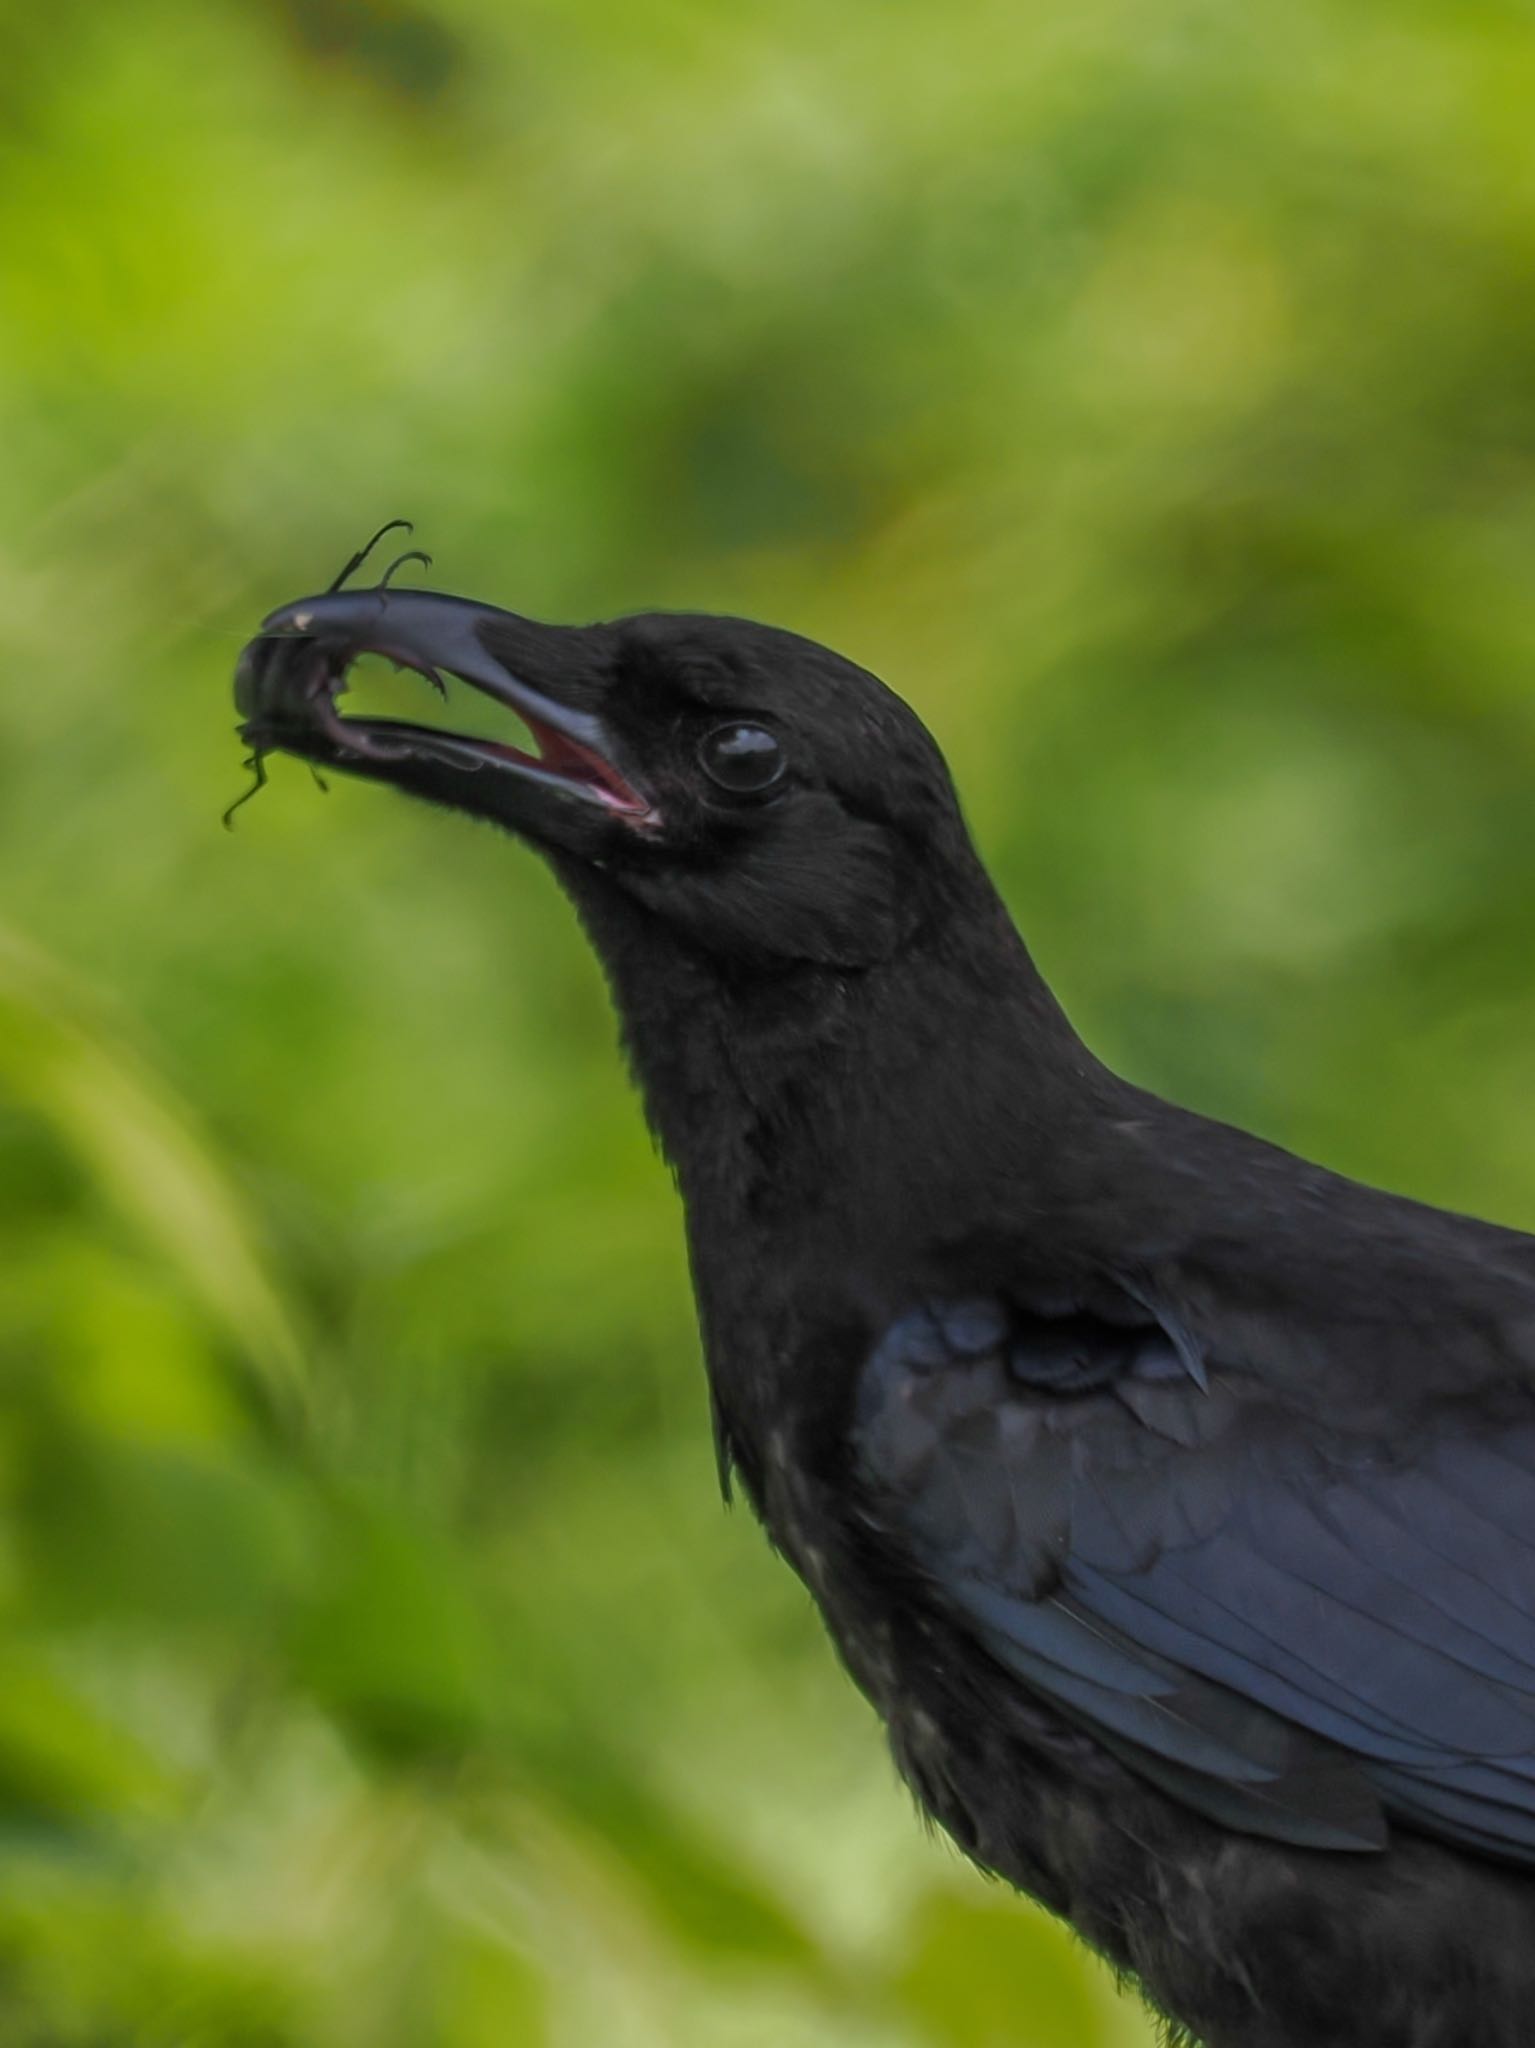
<point>1149,393</point>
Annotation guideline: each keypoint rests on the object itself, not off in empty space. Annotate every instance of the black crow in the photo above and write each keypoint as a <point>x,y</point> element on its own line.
<point>1172,1499</point>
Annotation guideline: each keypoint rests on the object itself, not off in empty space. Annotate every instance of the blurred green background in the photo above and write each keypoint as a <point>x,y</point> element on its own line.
<point>1146,390</point>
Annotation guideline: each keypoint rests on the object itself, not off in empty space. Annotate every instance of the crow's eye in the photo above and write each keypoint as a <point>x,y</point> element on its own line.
<point>745,759</point>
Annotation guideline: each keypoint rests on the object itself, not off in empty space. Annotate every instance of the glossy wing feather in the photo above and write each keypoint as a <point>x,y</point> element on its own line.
<point>1292,1630</point>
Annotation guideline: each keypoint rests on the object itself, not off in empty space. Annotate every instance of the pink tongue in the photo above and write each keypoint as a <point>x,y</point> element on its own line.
<point>508,753</point>
<point>561,757</point>
<point>569,758</point>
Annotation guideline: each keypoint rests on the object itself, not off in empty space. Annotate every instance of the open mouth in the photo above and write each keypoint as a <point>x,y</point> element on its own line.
<point>292,677</point>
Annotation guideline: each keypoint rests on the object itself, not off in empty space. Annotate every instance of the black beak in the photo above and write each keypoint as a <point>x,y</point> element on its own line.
<point>291,676</point>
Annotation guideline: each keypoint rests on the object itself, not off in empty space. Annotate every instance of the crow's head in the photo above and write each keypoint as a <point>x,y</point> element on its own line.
<point>771,801</point>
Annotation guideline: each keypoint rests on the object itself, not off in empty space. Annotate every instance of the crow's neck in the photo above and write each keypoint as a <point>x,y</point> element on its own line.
<point>825,1126</point>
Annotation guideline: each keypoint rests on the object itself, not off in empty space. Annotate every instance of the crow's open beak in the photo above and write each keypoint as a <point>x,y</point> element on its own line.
<point>291,676</point>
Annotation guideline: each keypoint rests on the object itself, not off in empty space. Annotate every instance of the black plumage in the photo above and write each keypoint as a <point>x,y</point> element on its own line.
<point>1172,1499</point>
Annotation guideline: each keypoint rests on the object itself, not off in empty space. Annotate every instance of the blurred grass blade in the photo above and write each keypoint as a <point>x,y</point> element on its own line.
<point>979,1972</point>
<point>143,1149</point>
<point>707,1898</point>
<point>64,1765</point>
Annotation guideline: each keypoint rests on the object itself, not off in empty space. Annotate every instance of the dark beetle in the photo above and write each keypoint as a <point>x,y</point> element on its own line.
<point>1173,1500</point>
